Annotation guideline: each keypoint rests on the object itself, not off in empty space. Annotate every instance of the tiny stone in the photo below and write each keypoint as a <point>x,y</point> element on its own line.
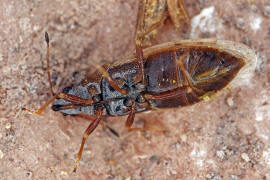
<point>64,173</point>
<point>245,157</point>
<point>240,23</point>
<point>1,154</point>
<point>230,101</point>
<point>29,174</point>
<point>1,57</point>
<point>220,154</point>
<point>214,176</point>
<point>234,177</point>
<point>184,138</point>
<point>8,125</point>
<point>111,176</point>
<point>266,11</point>
<point>154,158</point>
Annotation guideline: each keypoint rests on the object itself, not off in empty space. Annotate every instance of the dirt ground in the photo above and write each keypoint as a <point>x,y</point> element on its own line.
<point>227,137</point>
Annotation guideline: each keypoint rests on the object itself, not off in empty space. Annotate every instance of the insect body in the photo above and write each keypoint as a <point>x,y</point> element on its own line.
<point>177,74</point>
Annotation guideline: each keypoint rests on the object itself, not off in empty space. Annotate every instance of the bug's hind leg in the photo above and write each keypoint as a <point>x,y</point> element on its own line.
<point>139,54</point>
<point>152,14</point>
<point>87,132</point>
<point>177,12</point>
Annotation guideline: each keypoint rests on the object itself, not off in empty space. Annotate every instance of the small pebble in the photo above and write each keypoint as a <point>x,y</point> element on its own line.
<point>8,125</point>
<point>245,157</point>
<point>266,11</point>
<point>230,101</point>
<point>154,158</point>
<point>64,173</point>
<point>234,177</point>
<point>1,154</point>
<point>88,151</point>
<point>184,138</point>
<point>220,154</point>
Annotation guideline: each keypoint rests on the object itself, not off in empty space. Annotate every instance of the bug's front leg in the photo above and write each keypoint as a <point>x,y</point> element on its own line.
<point>75,100</point>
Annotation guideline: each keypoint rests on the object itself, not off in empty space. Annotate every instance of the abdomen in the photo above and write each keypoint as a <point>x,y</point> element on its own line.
<point>163,75</point>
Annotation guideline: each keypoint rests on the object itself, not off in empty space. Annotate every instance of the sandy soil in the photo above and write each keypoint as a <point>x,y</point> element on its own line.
<point>225,138</point>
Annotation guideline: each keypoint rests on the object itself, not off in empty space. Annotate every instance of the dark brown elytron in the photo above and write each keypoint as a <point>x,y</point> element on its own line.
<point>168,75</point>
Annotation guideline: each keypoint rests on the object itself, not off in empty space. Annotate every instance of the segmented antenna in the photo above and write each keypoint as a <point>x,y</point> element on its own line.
<point>48,61</point>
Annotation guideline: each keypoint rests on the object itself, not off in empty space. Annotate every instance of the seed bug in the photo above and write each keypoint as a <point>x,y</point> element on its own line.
<point>169,75</point>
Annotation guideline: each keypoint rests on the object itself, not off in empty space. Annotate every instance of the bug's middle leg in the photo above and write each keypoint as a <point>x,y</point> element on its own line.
<point>139,55</point>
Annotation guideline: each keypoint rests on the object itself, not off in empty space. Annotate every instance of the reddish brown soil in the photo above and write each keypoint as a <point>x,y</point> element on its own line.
<point>225,138</point>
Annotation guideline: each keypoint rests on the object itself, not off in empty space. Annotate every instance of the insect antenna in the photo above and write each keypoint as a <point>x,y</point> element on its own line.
<point>48,61</point>
<point>49,77</point>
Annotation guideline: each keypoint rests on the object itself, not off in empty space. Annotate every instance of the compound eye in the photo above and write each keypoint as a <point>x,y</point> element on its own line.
<point>128,102</point>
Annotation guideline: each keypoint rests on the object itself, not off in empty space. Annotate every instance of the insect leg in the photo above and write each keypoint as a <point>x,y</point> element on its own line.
<point>139,54</point>
<point>131,116</point>
<point>177,12</point>
<point>87,132</point>
<point>68,97</point>
<point>108,78</point>
<point>151,15</point>
<point>187,76</point>
<point>103,123</point>
<point>42,107</point>
<point>130,121</point>
<point>177,92</point>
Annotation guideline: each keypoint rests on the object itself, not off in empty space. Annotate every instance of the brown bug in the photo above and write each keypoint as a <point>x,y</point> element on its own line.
<point>168,75</point>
